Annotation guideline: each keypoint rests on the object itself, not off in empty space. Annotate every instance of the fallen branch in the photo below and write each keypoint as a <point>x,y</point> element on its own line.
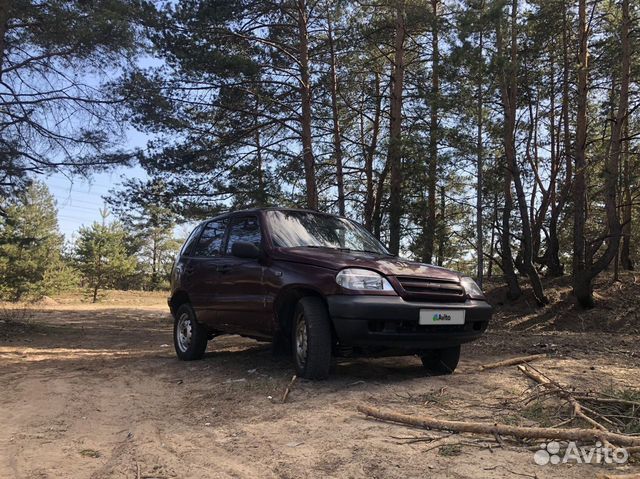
<point>546,382</point>
<point>289,388</point>
<point>512,361</point>
<point>586,397</point>
<point>501,429</point>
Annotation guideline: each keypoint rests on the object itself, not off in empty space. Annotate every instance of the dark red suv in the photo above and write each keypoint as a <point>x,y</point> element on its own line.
<point>318,285</point>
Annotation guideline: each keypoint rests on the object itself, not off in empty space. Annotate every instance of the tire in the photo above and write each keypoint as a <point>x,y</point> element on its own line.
<point>438,362</point>
<point>311,339</point>
<point>189,336</point>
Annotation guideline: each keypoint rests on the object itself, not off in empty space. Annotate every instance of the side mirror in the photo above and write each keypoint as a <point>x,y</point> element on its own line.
<point>244,249</point>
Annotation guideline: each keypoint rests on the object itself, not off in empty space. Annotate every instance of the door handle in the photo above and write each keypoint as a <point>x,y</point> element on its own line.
<point>223,268</point>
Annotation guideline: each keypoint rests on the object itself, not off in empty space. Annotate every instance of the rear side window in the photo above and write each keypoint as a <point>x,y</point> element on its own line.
<point>244,229</point>
<point>210,242</point>
<point>187,247</point>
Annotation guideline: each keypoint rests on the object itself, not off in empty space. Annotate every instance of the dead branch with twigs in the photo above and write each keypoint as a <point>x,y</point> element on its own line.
<point>512,361</point>
<point>490,429</point>
<point>620,414</point>
<point>602,412</point>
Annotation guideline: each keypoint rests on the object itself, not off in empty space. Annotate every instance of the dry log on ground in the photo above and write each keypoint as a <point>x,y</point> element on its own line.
<point>501,429</point>
<point>512,361</point>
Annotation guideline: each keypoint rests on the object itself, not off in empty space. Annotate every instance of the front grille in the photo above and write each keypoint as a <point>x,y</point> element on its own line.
<point>425,289</point>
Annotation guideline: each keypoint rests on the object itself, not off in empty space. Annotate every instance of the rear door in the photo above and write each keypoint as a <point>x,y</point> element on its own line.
<point>240,292</point>
<point>201,271</point>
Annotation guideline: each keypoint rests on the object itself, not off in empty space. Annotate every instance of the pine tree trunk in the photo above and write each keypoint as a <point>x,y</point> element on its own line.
<point>441,227</point>
<point>154,262</point>
<point>508,268</point>
<point>494,226</point>
<point>432,180</point>
<point>479,169</point>
<point>305,94</point>
<point>377,207</point>
<point>509,149</point>
<point>369,158</point>
<point>337,139</point>
<point>584,267</point>
<point>395,133</point>
<point>625,253</point>
<point>555,268</point>
<point>509,98</point>
<point>262,193</point>
<point>581,282</point>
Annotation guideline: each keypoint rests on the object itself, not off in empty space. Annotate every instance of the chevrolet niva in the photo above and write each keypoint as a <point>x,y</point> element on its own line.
<point>319,286</point>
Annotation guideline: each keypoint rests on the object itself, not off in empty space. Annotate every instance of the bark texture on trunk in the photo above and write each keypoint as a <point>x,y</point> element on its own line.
<point>585,268</point>
<point>430,225</point>
<point>509,93</point>
<point>395,132</point>
<point>370,200</point>
<point>479,169</point>
<point>507,263</point>
<point>581,287</point>
<point>625,253</point>
<point>506,256</point>
<point>305,119</point>
<point>337,138</point>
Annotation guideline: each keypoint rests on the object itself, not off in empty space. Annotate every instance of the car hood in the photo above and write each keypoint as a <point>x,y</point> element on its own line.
<point>388,265</point>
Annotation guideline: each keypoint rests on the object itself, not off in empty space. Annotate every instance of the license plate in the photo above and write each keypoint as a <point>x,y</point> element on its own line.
<point>441,317</point>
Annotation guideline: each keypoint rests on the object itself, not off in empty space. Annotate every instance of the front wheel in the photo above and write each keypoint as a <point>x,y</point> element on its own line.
<point>311,339</point>
<point>189,336</point>
<point>441,361</point>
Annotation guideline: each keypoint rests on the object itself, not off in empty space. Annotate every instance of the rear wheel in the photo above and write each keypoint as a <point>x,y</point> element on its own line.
<point>311,338</point>
<point>441,361</point>
<point>189,336</point>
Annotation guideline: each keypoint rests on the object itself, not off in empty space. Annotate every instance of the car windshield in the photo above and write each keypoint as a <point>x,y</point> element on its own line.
<point>291,229</point>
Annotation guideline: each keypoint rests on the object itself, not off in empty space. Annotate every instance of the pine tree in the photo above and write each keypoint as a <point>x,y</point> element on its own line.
<point>101,255</point>
<point>141,207</point>
<point>31,263</point>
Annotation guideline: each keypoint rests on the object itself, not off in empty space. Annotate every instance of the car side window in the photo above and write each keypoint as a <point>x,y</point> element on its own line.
<point>244,229</point>
<point>210,242</point>
<point>187,247</point>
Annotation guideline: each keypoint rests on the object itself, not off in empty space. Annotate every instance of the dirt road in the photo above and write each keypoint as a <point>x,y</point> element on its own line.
<point>97,392</point>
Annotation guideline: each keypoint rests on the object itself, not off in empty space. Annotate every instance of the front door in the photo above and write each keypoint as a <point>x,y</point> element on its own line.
<point>240,294</point>
<point>201,271</point>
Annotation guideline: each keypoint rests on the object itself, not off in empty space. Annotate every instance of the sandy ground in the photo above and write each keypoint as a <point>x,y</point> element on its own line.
<point>96,391</point>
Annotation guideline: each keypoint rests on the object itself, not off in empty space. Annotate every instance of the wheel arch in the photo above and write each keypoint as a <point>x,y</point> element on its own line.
<point>286,302</point>
<point>178,298</point>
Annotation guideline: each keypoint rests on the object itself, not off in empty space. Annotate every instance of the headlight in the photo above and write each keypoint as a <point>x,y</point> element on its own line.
<point>362,280</point>
<point>471,288</point>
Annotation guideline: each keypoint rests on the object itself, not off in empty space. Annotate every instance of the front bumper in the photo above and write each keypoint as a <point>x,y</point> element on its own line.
<point>392,322</point>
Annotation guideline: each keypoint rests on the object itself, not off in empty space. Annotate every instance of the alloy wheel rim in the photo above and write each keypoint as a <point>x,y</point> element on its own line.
<point>301,341</point>
<point>184,332</point>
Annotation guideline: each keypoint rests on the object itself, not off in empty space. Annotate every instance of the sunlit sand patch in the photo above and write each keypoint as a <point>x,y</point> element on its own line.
<point>56,354</point>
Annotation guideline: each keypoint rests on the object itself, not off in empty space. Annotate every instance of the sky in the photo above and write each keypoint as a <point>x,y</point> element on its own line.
<point>79,199</point>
